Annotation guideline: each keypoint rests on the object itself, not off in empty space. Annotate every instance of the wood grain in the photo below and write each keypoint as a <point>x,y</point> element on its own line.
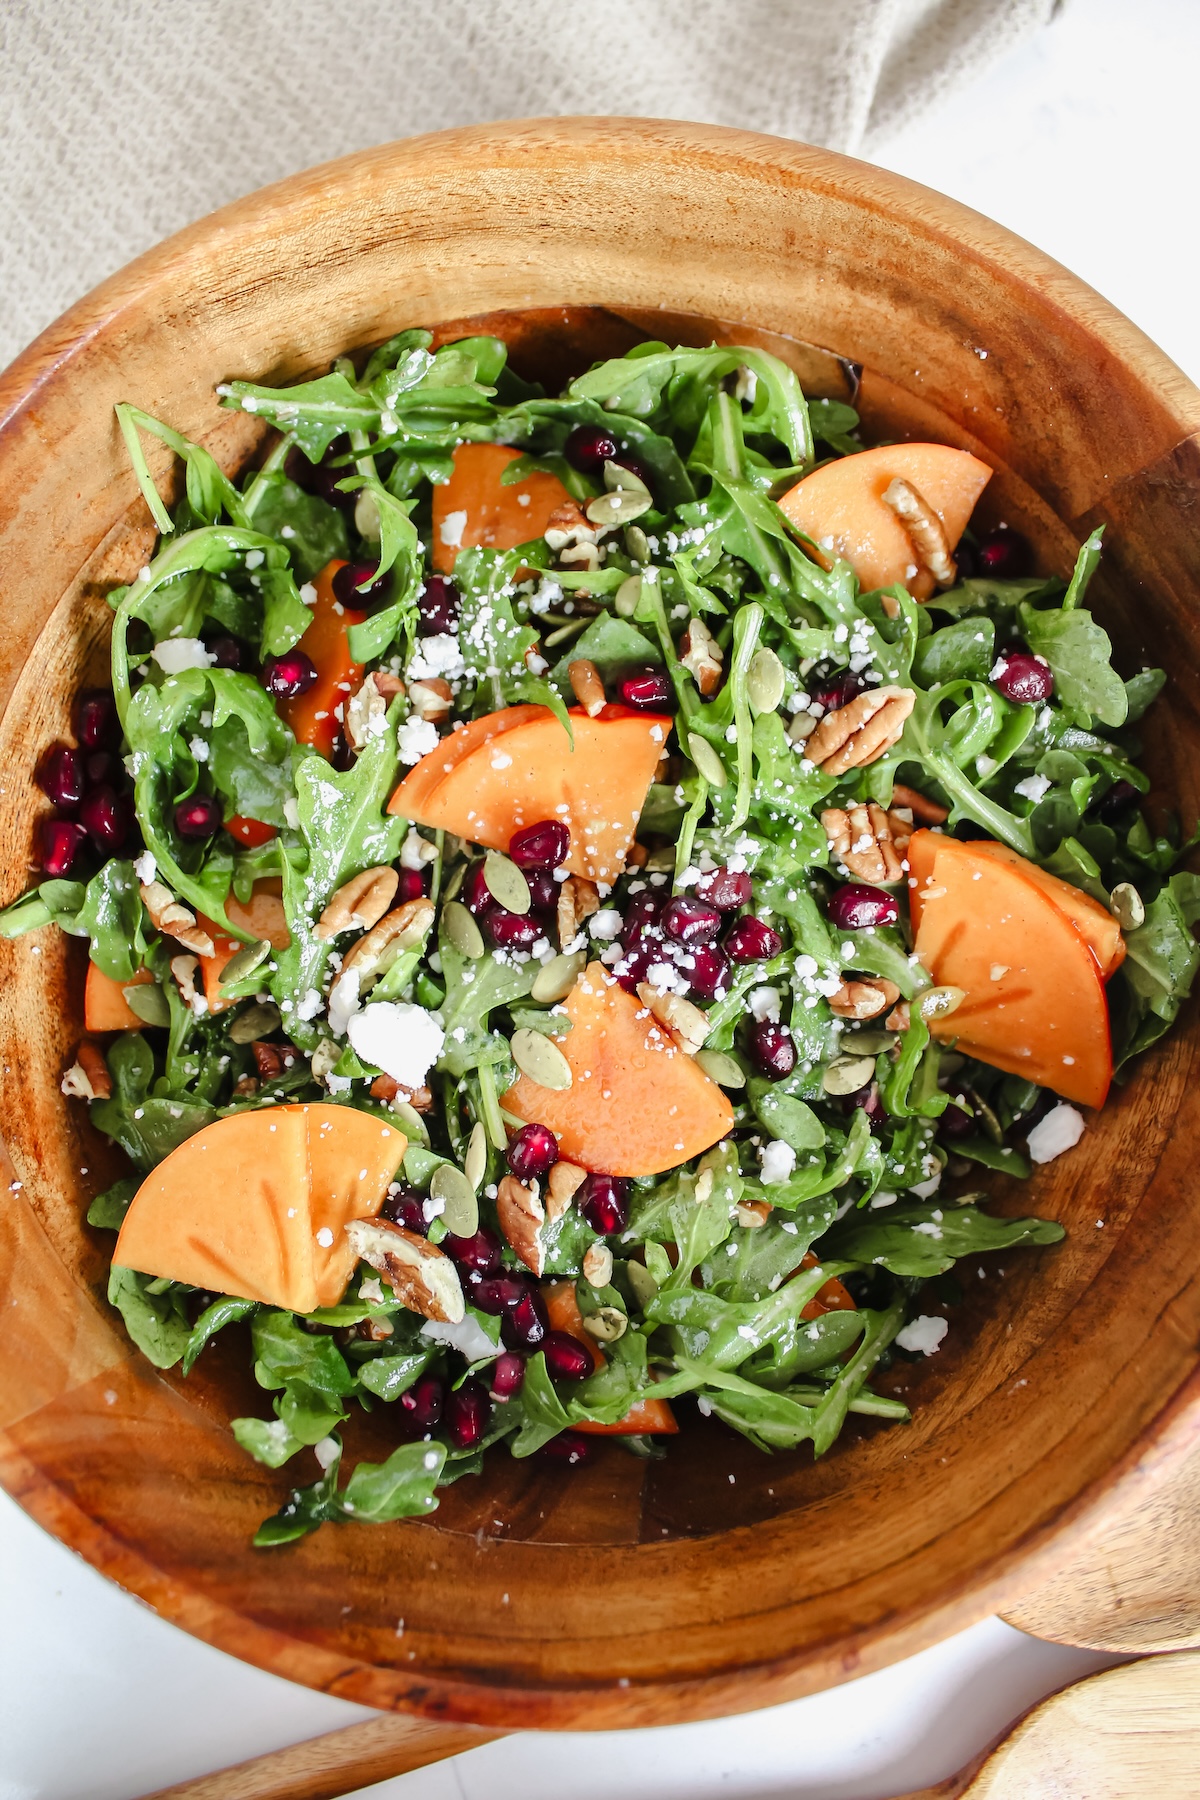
<point>628,1593</point>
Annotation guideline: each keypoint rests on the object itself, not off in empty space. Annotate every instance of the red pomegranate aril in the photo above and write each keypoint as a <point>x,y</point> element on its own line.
<point>604,1203</point>
<point>524,1326</point>
<point>468,1411</point>
<point>104,815</point>
<point>867,1100</point>
<point>589,447</point>
<point>288,675</point>
<point>413,883</point>
<point>533,1153</point>
<point>1004,554</point>
<point>425,1400</point>
<point>476,896</point>
<point>569,1447</point>
<point>647,690</point>
<point>543,890</point>
<point>347,589</point>
<point>341,753</point>
<point>405,1208</point>
<point>198,817</point>
<point>690,920</point>
<point>855,906</point>
<point>566,1358</point>
<point>642,912</point>
<point>838,693</point>
<point>749,940</point>
<point>483,1252</point>
<point>1023,677</point>
<point>1116,803</point>
<point>321,478</point>
<point>62,840</point>
<point>227,653</point>
<point>726,888</point>
<point>94,720</point>
<point>954,1122</point>
<point>61,776</point>
<point>102,768</point>
<point>772,1049</point>
<point>439,605</point>
<point>709,972</point>
<point>498,1293</point>
<point>635,964</point>
<point>510,930</point>
<point>508,1375</point>
<point>541,846</point>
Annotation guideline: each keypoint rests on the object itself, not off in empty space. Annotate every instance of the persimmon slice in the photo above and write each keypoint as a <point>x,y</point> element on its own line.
<point>313,714</point>
<point>562,1310</point>
<point>105,1007</point>
<point>1034,1002</point>
<point>841,508</point>
<point>474,508</point>
<point>257,1204</point>
<point>262,916</point>
<point>637,1103</point>
<point>528,772</point>
<point>419,784</point>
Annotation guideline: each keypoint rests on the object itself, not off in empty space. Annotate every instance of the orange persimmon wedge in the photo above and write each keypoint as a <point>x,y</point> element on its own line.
<point>1034,1001</point>
<point>257,1204</point>
<point>562,1310</point>
<point>105,1007</point>
<point>637,1103</point>
<point>841,508</point>
<point>251,832</point>
<point>262,916</point>
<point>597,789</point>
<point>833,1297</point>
<point>426,775</point>
<point>1093,922</point>
<point>474,508</point>
<point>313,715</point>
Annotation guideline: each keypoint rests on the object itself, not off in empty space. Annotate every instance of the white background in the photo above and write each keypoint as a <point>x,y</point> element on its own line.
<point>1083,142</point>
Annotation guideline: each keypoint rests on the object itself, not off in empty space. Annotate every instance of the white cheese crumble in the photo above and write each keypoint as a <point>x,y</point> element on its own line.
<point>416,738</point>
<point>764,1003</point>
<point>174,655</point>
<point>467,1337</point>
<point>404,1041</point>
<point>1060,1130</point>
<point>451,529</point>
<point>439,655</point>
<point>1034,787</point>
<point>924,1334</point>
<point>327,1452</point>
<point>343,1002</point>
<point>606,924</point>
<point>777,1161</point>
<point>145,867</point>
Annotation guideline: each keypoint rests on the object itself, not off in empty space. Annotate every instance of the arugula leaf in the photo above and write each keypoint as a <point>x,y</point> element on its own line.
<point>311,530</point>
<point>610,642</point>
<point>963,651</point>
<point>925,1239</point>
<point>400,1488</point>
<point>109,1208</point>
<point>225,1311</point>
<point>1162,956</point>
<point>156,1321</point>
<point>111,916</point>
<point>54,902</point>
<point>313,413</point>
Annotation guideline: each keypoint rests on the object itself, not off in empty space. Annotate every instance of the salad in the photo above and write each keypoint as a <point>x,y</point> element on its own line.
<point>579,892</point>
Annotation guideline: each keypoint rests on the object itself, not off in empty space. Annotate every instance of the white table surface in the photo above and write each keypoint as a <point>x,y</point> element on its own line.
<point>1083,143</point>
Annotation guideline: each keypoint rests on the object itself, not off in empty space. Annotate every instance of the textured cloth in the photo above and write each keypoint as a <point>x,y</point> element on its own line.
<point>124,120</point>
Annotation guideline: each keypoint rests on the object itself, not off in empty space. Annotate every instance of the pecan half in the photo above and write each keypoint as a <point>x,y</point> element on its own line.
<point>587,686</point>
<point>861,732</point>
<point>366,709</point>
<point>430,698</point>
<point>927,811</point>
<point>562,1184</point>
<point>578,899</point>
<point>924,528</point>
<point>522,1219</point>
<point>372,956</point>
<point>88,1077</point>
<point>598,1265</point>
<point>864,999</point>
<point>900,1017</point>
<point>359,903</point>
<point>386,1087</point>
<point>173,920</point>
<point>868,841</point>
<point>753,1213</point>
<point>702,657</point>
<point>569,525</point>
<point>271,1059</point>
<point>687,1024</point>
<point>421,1276</point>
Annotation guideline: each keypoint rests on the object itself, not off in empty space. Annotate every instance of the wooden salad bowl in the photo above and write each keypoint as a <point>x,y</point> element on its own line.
<point>719,1579</point>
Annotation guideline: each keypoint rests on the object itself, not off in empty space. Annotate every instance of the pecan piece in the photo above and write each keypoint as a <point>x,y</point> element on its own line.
<point>868,841</point>
<point>687,1024</point>
<point>366,709</point>
<point>861,732</point>
<point>359,903</point>
<point>587,686</point>
<point>900,1017</point>
<point>598,1265</point>
<point>753,1213</point>
<point>568,526</point>
<point>924,528</point>
<point>563,1182</point>
<point>421,1276</point>
<point>702,657</point>
<point>386,1087</point>
<point>522,1219</point>
<point>922,808</point>
<point>88,1077</point>
<point>864,999</point>
<point>578,899</point>
<point>173,920</point>
<point>430,698</point>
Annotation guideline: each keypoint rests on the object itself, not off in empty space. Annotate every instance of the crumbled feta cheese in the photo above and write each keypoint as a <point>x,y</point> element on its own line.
<point>1034,787</point>
<point>343,1002</point>
<point>174,655</point>
<point>199,749</point>
<point>764,1003</point>
<point>467,1337</point>
<point>451,529</point>
<point>439,655</point>
<point>777,1161</point>
<point>416,738</point>
<point>404,1041</point>
<point>606,924</point>
<point>325,1238</point>
<point>1060,1130</point>
<point>924,1334</point>
<point>416,851</point>
<point>145,867</point>
<point>326,1451</point>
<point>291,812</point>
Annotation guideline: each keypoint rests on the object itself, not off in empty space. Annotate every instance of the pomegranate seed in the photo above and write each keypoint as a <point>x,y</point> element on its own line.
<point>510,930</point>
<point>749,940</point>
<point>288,675</point>
<point>467,1413</point>
<point>839,692</point>
<point>341,755</point>
<point>569,1447</point>
<point>604,1203</point>
<point>647,690</point>
<point>440,606</point>
<point>103,769</point>
<point>1024,678</point>
<point>483,1252</point>
<point>855,906</point>
<point>62,840</point>
<point>709,972</point>
<point>1005,555</point>
<point>966,560</point>
<point>690,920</point>
<point>1113,806</point>
<point>413,883</point>
<point>635,965</point>
<point>104,815</point>
<point>726,888</point>
<point>475,895</point>
<point>524,1326</point>
<point>955,1123</point>
<point>60,776</point>
<point>425,1400</point>
<point>566,1358</point>
<point>405,1209</point>
<point>543,890</point>
<point>589,447</point>
<point>499,1293</point>
<point>198,817</point>
<point>346,587</point>
<point>94,720</point>
<point>867,1100</point>
<point>533,1153</point>
<point>541,846</point>
<point>227,653</point>
<point>772,1049</point>
<point>642,913</point>
<point>508,1376</point>
<point>321,478</point>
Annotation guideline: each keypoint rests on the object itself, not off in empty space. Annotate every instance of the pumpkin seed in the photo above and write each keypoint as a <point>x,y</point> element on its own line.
<point>618,508</point>
<point>540,1058</point>
<point>991,1125</point>
<point>706,760</point>
<point>628,596</point>
<point>555,979</point>
<point>1127,906</point>
<point>846,1074</point>
<point>642,1282</point>
<point>460,1212</point>
<point>260,1021</point>
<point>570,630</point>
<point>366,517</point>
<point>505,882</point>
<point>606,1324</point>
<point>765,682</point>
<point>620,480</point>
<point>413,1123</point>
<point>637,544</point>
<point>939,1002</point>
<point>455,878</point>
<point>869,1043</point>
<point>149,1003</point>
<point>245,961</point>
<point>475,1161</point>
<point>722,1069</point>
<point>462,930</point>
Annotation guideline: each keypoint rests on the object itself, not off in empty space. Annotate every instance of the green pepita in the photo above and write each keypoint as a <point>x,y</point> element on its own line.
<point>245,961</point>
<point>260,1021</point>
<point>765,681</point>
<point>642,1282</point>
<point>149,1003</point>
<point>506,883</point>
<point>706,760</point>
<point>1127,906</point>
<point>462,930</point>
<point>628,596</point>
<point>540,1058</point>
<point>846,1074</point>
<point>475,1161</point>
<point>555,979</point>
<point>939,1002</point>
<point>724,1070</point>
<point>620,480</point>
<point>460,1213</point>
<point>618,508</point>
<point>637,544</point>
<point>606,1324</point>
